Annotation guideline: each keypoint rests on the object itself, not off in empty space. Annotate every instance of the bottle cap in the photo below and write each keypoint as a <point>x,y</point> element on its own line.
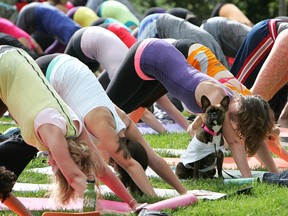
<point>90,179</point>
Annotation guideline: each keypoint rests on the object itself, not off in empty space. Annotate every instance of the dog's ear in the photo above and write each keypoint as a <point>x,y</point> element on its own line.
<point>225,102</point>
<point>205,102</point>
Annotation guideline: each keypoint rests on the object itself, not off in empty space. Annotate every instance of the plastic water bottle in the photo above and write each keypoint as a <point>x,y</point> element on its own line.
<point>89,196</point>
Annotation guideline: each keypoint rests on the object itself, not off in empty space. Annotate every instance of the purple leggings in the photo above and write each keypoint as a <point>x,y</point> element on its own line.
<point>163,62</point>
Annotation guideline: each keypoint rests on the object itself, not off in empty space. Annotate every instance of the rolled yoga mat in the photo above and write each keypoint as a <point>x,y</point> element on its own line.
<point>172,203</point>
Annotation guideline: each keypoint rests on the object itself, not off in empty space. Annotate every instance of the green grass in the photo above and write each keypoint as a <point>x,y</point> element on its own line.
<point>169,140</point>
<point>264,200</point>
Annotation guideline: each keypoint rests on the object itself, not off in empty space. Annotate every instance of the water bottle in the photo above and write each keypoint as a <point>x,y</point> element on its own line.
<point>241,181</point>
<point>89,196</point>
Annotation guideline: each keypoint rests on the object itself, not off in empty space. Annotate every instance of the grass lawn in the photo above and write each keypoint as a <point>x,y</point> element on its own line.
<point>264,200</point>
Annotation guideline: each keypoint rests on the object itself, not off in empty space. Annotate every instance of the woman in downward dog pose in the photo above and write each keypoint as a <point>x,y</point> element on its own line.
<point>84,16</point>
<point>118,11</point>
<point>255,55</point>
<point>275,70</point>
<point>96,46</point>
<point>7,27</point>
<point>185,14</point>
<point>232,12</point>
<point>164,25</point>
<point>124,34</point>
<point>145,69</point>
<point>48,124</point>
<point>6,39</point>
<point>46,19</point>
<point>204,60</point>
<point>80,89</point>
<point>230,34</point>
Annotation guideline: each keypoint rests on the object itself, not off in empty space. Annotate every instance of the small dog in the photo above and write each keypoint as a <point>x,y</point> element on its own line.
<point>204,152</point>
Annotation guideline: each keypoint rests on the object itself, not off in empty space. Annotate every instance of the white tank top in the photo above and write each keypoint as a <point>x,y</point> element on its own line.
<point>79,87</point>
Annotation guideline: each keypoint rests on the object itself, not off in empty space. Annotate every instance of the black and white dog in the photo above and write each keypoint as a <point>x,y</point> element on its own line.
<point>205,151</point>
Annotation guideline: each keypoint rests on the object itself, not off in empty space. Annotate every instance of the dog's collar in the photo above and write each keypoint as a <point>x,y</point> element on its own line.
<point>211,132</point>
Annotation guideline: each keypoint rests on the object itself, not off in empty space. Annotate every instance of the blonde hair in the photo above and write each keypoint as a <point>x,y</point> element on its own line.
<point>81,154</point>
<point>255,121</point>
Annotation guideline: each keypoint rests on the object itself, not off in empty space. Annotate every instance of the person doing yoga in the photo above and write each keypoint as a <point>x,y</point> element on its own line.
<point>48,124</point>
<point>81,90</point>
<point>245,127</point>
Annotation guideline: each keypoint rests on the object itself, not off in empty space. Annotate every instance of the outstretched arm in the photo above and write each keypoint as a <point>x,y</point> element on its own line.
<point>54,139</point>
<point>106,175</point>
<point>156,162</point>
<point>172,111</point>
<point>16,206</point>
<point>264,156</point>
<point>237,147</point>
<point>105,131</point>
<point>150,119</point>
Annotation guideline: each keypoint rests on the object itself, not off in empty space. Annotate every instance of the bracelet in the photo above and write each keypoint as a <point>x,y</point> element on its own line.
<point>131,201</point>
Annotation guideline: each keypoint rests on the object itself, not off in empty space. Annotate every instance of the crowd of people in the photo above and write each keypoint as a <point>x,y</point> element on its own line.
<point>77,76</point>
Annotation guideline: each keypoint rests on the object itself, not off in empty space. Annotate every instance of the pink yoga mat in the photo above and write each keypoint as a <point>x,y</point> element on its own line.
<point>172,203</point>
<point>104,206</point>
<point>229,162</point>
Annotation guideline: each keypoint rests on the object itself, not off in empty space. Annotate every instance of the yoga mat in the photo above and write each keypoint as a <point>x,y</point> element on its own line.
<point>30,187</point>
<point>229,163</point>
<point>61,213</point>
<point>237,174</point>
<point>103,189</point>
<point>200,194</point>
<point>48,171</point>
<point>171,128</point>
<point>161,192</point>
<point>103,206</point>
<point>172,203</point>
